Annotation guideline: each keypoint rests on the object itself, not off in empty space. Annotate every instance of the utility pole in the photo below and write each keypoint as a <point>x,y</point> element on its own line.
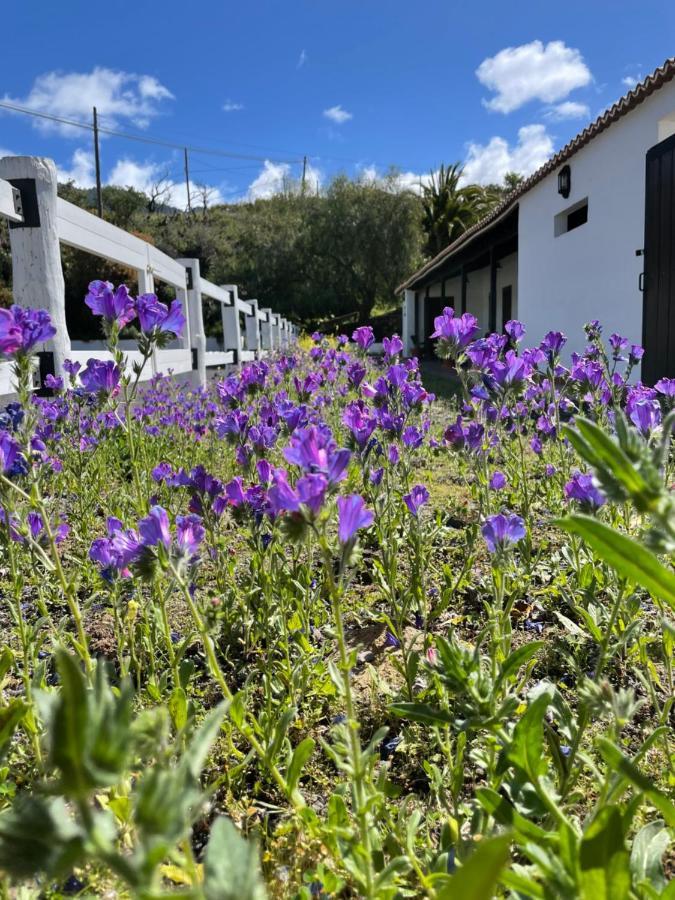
<point>187,181</point>
<point>97,159</point>
<point>304,173</point>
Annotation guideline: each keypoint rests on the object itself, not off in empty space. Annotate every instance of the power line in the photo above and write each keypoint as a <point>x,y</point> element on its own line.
<point>145,139</point>
<point>164,142</point>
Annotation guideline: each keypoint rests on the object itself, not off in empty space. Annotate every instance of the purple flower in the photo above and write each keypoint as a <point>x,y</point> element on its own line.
<point>502,530</point>
<point>21,329</point>
<point>498,481</point>
<point>412,437</point>
<point>10,333</point>
<point>117,551</point>
<point>100,376</point>
<point>618,345</point>
<point>352,516</point>
<point>454,333</point>
<point>112,305</point>
<point>155,315</point>
<point>552,344</point>
<point>9,450</point>
<point>364,337</point>
<point>582,489</point>
<point>154,528</point>
<point>72,368</point>
<point>666,386</point>
<point>189,535</point>
<point>515,330</point>
<point>644,412</point>
<point>512,371</point>
<point>417,497</point>
<point>392,346</point>
<point>636,353</point>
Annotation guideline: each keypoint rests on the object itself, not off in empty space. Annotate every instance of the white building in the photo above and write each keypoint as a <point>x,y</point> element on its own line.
<point>590,235</point>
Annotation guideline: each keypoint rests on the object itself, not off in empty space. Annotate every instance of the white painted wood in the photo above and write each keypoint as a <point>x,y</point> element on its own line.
<point>266,329</point>
<point>248,355</point>
<point>219,357</point>
<point>195,314</point>
<point>208,289</point>
<point>253,328</point>
<point>79,228</point>
<point>175,360</point>
<point>7,207</point>
<point>232,336</point>
<point>37,277</point>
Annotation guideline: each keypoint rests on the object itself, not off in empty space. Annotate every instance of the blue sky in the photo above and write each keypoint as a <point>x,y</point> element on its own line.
<point>355,86</point>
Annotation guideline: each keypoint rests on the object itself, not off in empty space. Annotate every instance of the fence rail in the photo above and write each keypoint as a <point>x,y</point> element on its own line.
<point>41,222</point>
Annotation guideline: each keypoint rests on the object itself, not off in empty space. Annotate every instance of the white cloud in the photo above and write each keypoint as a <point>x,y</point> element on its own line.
<point>393,180</point>
<point>117,96</point>
<point>81,170</point>
<point>337,114</point>
<point>570,109</point>
<point>275,178</point>
<point>142,176</point>
<point>630,82</point>
<point>532,72</point>
<point>489,163</point>
<point>231,106</point>
<point>302,59</point>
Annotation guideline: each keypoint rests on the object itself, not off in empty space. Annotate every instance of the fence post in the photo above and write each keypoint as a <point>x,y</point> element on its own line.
<point>253,330</point>
<point>232,338</point>
<point>195,313</point>
<point>37,276</point>
<point>408,322</point>
<point>266,329</point>
<point>146,285</point>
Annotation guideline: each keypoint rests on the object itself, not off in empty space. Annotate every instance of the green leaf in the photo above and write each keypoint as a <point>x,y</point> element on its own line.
<point>518,659</point>
<point>196,753</point>
<point>298,761</point>
<point>646,858</point>
<point>526,750</point>
<point>10,716</point>
<point>421,712</point>
<point>506,814</point>
<point>628,557</point>
<point>231,868</point>
<point>178,707</point>
<point>603,858</point>
<point>616,760</point>
<point>598,448</point>
<point>38,835</point>
<point>479,876</point>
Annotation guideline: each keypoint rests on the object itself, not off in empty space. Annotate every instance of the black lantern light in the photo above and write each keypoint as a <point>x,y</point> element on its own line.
<point>565,181</point>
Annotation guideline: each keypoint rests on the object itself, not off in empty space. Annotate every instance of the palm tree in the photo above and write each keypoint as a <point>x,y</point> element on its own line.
<point>449,207</point>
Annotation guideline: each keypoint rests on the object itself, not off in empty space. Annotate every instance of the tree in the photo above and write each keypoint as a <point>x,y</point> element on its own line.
<point>364,239</point>
<point>448,207</point>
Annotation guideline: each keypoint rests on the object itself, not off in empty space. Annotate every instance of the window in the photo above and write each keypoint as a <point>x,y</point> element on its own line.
<point>571,218</point>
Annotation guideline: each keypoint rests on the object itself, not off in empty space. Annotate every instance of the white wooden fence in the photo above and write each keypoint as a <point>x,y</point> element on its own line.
<point>40,222</point>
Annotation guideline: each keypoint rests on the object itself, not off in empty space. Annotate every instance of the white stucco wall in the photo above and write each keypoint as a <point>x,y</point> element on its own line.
<point>591,272</point>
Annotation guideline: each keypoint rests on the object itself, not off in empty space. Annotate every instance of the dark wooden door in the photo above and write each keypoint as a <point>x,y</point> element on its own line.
<point>658,318</point>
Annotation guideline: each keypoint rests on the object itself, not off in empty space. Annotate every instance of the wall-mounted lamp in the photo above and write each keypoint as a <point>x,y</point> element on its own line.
<point>565,181</point>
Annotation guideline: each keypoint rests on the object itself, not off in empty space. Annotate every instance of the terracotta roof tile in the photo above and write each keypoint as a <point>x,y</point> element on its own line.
<point>628,102</point>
